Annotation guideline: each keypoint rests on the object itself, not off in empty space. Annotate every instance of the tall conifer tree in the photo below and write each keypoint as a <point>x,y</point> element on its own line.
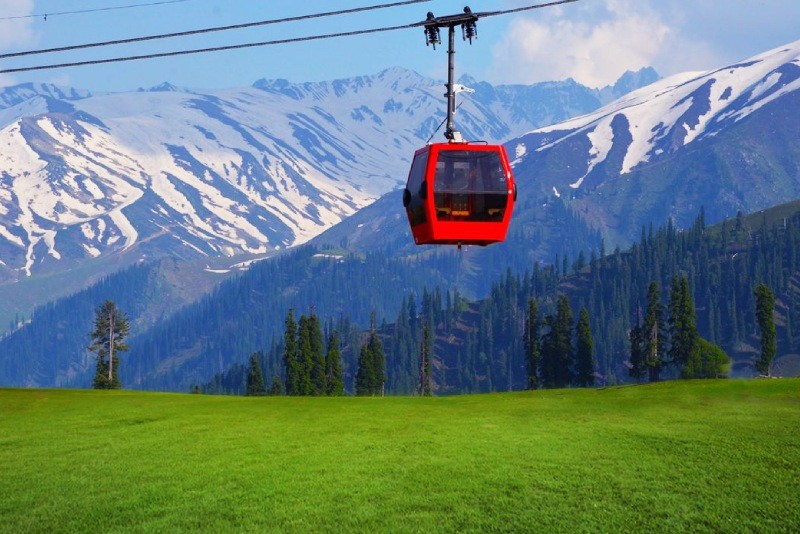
<point>305,357</point>
<point>533,349</point>
<point>557,351</point>
<point>683,334</point>
<point>564,348</point>
<point>371,374</point>
<point>638,367</point>
<point>255,377</point>
<point>108,340</point>
<point>333,367</point>
<point>654,333</point>
<point>425,361</point>
<point>365,375</point>
<point>765,315</point>
<point>378,359</point>
<point>318,369</point>
<point>291,356</point>
<point>584,351</point>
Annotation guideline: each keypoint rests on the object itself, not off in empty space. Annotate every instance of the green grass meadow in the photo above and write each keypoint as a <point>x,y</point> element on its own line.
<point>700,456</point>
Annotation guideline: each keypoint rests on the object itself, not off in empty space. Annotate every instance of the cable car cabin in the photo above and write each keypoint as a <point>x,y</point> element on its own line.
<point>459,194</point>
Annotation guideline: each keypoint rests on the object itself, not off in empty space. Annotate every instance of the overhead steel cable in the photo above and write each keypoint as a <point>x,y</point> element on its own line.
<point>525,8</point>
<point>210,30</point>
<point>268,43</point>
<point>210,49</point>
<point>92,10</point>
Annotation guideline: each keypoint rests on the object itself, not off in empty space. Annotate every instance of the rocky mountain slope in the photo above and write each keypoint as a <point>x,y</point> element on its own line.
<point>726,140</point>
<point>187,173</point>
<point>90,183</point>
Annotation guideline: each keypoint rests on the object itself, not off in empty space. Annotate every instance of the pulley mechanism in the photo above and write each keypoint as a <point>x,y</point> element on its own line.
<point>469,31</point>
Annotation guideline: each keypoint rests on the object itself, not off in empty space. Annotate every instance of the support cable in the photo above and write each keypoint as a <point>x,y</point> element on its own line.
<point>206,50</point>
<point>269,43</point>
<point>92,10</point>
<point>524,8</point>
<point>210,30</point>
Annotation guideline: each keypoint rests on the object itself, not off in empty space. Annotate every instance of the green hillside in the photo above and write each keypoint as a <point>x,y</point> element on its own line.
<point>716,456</point>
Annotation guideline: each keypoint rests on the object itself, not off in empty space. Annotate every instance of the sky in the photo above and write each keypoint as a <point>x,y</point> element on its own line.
<point>591,41</point>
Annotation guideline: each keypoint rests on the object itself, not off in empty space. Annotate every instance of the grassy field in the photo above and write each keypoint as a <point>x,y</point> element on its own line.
<point>716,456</point>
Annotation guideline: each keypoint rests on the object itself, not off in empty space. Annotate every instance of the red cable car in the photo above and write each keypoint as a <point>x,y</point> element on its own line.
<point>459,194</point>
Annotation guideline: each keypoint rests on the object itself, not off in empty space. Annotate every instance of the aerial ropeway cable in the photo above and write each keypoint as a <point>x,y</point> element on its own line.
<point>211,30</point>
<point>92,10</point>
<point>250,45</point>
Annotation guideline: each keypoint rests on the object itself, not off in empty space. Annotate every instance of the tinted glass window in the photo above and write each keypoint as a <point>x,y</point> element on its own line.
<point>470,185</point>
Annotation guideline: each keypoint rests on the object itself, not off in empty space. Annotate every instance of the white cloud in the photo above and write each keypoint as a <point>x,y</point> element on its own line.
<point>594,51</point>
<point>596,41</point>
<point>15,33</point>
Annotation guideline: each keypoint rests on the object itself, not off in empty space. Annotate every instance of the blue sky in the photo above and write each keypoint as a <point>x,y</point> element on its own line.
<point>592,41</point>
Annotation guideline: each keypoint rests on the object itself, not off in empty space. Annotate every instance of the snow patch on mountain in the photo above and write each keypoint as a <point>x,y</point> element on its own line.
<point>227,172</point>
<point>676,111</point>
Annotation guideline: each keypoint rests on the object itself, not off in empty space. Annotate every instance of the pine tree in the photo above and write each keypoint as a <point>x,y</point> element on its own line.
<point>333,367</point>
<point>584,353</point>
<point>108,340</point>
<point>305,357</point>
<point>765,315</point>
<point>378,360</point>
<point>533,349</point>
<point>637,358</point>
<point>682,323</point>
<point>365,375</point>
<point>564,349</point>
<point>291,355</point>
<point>276,387</point>
<point>425,362</point>
<point>557,346</point>
<point>371,374</point>
<point>318,370</point>
<point>654,333</point>
<point>255,378</point>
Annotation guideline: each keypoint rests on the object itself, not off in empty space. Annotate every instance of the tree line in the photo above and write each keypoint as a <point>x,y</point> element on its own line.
<point>659,306</point>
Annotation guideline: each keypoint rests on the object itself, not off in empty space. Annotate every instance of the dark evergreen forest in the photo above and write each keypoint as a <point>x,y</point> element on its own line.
<point>476,346</point>
<point>479,346</point>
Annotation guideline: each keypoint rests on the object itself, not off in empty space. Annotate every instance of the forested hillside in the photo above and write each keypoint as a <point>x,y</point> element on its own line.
<point>723,263</point>
<point>52,349</point>
<point>479,345</point>
<point>244,314</point>
<point>172,351</point>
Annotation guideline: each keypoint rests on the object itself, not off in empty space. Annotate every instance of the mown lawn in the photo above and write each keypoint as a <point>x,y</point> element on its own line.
<point>716,456</point>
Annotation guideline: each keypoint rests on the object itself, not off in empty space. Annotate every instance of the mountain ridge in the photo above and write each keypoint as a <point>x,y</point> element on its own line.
<point>179,172</point>
<point>240,170</point>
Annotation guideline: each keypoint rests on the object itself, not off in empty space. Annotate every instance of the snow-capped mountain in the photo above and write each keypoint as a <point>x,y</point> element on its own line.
<point>225,172</point>
<point>654,123</point>
<point>17,94</point>
<point>723,141</point>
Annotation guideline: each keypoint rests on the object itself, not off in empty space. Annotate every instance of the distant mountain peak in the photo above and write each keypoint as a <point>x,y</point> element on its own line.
<point>165,87</point>
<point>17,94</point>
<point>632,80</point>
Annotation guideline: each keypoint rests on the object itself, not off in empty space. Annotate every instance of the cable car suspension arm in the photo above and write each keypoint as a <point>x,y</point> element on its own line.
<point>469,31</point>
